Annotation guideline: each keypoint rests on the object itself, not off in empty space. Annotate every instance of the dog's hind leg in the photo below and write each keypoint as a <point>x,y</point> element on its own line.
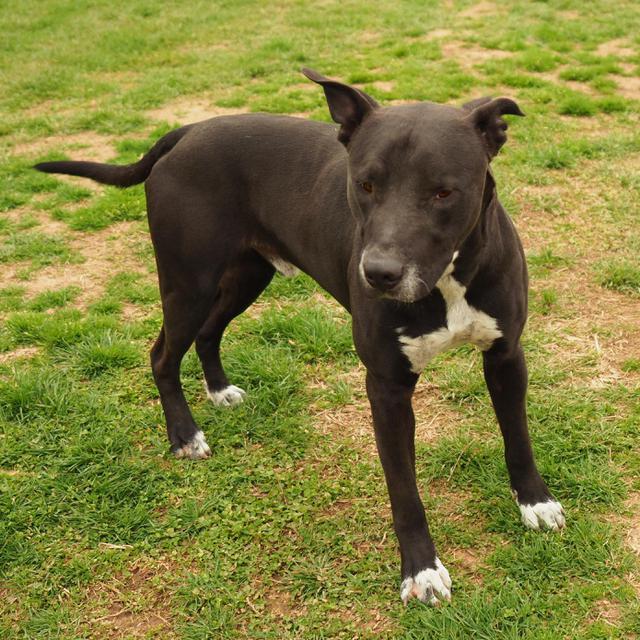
<point>193,248</point>
<point>176,336</point>
<point>243,281</point>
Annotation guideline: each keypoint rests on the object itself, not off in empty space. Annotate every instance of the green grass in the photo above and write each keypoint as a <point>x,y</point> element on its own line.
<point>621,276</point>
<point>11,298</point>
<point>54,299</point>
<point>633,364</point>
<point>577,106</point>
<point>544,302</point>
<point>38,248</point>
<point>285,532</point>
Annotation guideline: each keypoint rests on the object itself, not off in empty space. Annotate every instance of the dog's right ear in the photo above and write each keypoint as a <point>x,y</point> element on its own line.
<point>348,106</point>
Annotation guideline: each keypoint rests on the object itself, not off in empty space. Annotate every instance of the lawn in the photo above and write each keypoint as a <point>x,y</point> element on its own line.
<point>285,532</point>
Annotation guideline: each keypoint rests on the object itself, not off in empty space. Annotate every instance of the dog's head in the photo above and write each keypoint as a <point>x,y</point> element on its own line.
<point>416,181</point>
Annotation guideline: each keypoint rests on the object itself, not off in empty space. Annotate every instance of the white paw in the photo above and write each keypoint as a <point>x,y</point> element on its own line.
<point>196,449</point>
<point>543,515</point>
<point>226,397</point>
<point>429,585</point>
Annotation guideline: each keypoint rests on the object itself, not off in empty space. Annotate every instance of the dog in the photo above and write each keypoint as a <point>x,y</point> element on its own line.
<point>397,218</point>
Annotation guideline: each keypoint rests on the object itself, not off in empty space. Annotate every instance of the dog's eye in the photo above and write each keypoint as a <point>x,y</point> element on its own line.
<point>442,194</point>
<point>366,186</point>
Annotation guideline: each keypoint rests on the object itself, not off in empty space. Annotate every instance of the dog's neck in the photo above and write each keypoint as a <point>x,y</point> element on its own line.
<point>473,249</point>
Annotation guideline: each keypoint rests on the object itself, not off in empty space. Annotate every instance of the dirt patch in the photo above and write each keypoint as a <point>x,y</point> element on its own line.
<point>450,502</point>
<point>634,580</point>
<point>383,85</point>
<point>633,537</point>
<point>574,85</point>
<point>133,313</point>
<point>580,127</point>
<point>371,621</point>
<point>137,604</point>
<point>587,329</point>
<point>629,86</point>
<point>353,421</point>
<point>188,111</point>
<point>280,603</point>
<point>620,48</point>
<point>122,79</point>
<point>303,86</point>
<point>47,107</point>
<point>632,523</point>
<point>434,416</point>
<point>468,561</point>
<point>580,87</point>
<point>468,558</point>
<point>607,611</point>
<point>17,473</point>
<point>436,34</point>
<point>43,222</point>
<point>468,55</point>
<point>91,146</point>
<point>378,622</point>
<point>337,507</point>
<point>627,519</point>
<point>584,320</point>
<point>479,10</point>
<point>105,253</point>
<point>126,624</point>
<point>368,36</point>
<point>16,354</point>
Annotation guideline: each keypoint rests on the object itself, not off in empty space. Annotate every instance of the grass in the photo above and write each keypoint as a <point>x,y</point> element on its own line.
<point>54,299</point>
<point>621,276</point>
<point>38,248</point>
<point>285,532</point>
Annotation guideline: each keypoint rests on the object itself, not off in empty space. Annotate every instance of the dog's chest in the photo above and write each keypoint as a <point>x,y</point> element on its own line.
<point>464,324</point>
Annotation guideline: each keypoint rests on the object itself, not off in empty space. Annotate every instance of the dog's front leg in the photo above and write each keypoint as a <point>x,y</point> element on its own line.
<point>505,373</point>
<point>423,575</point>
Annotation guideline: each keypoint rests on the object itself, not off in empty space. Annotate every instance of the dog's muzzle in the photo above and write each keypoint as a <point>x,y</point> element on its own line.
<point>389,277</point>
<point>383,273</point>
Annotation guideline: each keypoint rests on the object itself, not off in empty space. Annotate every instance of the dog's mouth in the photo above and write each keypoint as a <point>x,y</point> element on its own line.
<point>410,288</point>
<point>413,286</point>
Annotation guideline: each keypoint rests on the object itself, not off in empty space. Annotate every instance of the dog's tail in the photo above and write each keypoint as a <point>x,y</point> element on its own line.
<point>118,176</point>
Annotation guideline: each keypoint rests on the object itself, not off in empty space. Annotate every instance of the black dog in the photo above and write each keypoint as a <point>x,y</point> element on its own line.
<point>400,223</point>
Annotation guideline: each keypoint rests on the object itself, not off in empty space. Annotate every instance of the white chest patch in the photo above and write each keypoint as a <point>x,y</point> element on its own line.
<point>464,324</point>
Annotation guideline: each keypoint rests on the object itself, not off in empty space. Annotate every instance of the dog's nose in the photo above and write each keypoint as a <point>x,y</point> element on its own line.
<point>383,273</point>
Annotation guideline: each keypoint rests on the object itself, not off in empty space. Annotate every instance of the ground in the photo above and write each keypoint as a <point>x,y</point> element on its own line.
<point>285,532</point>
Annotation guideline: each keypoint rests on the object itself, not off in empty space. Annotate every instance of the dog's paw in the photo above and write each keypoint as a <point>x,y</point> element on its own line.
<point>429,585</point>
<point>196,449</point>
<point>543,515</point>
<point>227,397</point>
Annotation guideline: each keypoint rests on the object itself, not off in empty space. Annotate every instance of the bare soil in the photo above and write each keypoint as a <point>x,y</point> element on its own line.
<point>188,111</point>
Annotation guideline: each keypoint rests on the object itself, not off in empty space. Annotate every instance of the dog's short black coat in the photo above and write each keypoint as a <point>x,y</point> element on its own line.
<point>396,216</point>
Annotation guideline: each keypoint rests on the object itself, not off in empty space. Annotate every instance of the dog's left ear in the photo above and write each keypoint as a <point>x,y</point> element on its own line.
<point>486,116</point>
<point>348,106</point>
